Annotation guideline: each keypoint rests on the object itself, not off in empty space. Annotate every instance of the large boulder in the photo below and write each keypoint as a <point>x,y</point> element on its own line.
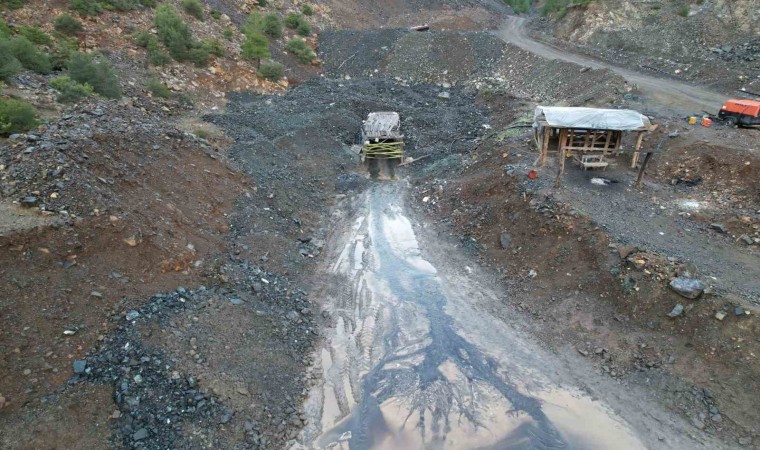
<point>687,287</point>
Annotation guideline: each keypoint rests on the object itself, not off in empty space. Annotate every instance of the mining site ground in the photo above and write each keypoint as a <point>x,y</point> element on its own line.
<point>257,289</point>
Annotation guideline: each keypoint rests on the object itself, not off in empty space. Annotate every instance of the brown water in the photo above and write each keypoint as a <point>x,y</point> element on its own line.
<point>411,364</point>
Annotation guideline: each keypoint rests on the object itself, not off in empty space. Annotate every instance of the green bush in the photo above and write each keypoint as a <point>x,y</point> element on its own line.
<point>256,46</point>
<point>254,24</point>
<point>157,88</point>
<point>304,27</point>
<point>263,3</point>
<point>228,33</point>
<point>121,5</point>
<point>307,10</point>
<point>86,7</point>
<point>214,47</point>
<point>9,65</point>
<point>271,71</point>
<point>12,4</point>
<point>16,117</point>
<point>69,91</point>
<point>35,35</point>
<point>29,55</point>
<point>519,6</point>
<point>301,50</point>
<point>199,56</point>
<point>683,11</point>
<point>143,38</point>
<point>173,32</point>
<point>292,20</point>
<point>95,70</point>
<point>194,8</point>
<point>156,55</point>
<point>67,25</point>
<point>62,50</point>
<point>4,30</point>
<point>215,14</point>
<point>272,26</point>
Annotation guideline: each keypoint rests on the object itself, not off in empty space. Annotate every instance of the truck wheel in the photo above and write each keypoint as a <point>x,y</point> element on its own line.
<point>732,121</point>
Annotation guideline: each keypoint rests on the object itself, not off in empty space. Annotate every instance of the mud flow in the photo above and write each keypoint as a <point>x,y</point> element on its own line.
<point>409,363</point>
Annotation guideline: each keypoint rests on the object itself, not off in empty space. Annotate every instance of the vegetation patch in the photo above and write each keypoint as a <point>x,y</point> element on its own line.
<point>271,70</point>
<point>69,91</point>
<point>157,88</point>
<point>301,50</point>
<point>194,8</point>
<point>95,70</point>
<point>26,53</point>
<point>16,116</point>
<point>307,10</point>
<point>256,47</point>
<point>67,24</point>
<point>272,26</point>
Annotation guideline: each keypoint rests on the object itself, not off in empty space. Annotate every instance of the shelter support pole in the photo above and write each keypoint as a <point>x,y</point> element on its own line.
<point>545,145</point>
<point>635,158</point>
<point>561,165</point>
<point>640,177</point>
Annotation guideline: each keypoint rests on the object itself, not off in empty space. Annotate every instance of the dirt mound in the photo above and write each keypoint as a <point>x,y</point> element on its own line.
<point>473,58</point>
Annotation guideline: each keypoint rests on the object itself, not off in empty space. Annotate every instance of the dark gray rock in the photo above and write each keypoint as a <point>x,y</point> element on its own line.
<point>676,311</point>
<point>504,240</point>
<point>690,288</point>
<point>140,434</point>
<point>79,365</point>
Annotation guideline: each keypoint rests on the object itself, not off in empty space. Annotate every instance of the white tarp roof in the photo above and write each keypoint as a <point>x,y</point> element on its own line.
<point>591,118</point>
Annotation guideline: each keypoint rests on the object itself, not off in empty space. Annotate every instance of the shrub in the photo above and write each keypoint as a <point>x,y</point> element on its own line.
<point>214,47</point>
<point>157,88</point>
<point>272,25</point>
<point>253,25</point>
<point>96,71</point>
<point>307,10</point>
<point>62,51</point>
<point>86,7</point>
<point>35,35</point>
<point>67,25</point>
<point>199,56</point>
<point>69,91</point>
<point>28,55</point>
<point>228,34</point>
<point>121,5</point>
<point>9,65</point>
<point>256,46</point>
<point>16,117</point>
<point>519,6</point>
<point>156,55</point>
<point>173,32</point>
<point>194,8</point>
<point>143,38</point>
<point>263,3</point>
<point>149,3</point>
<point>215,14</point>
<point>292,20</point>
<point>304,27</point>
<point>301,50</point>
<point>12,4</point>
<point>683,11</point>
<point>271,71</point>
<point>4,30</point>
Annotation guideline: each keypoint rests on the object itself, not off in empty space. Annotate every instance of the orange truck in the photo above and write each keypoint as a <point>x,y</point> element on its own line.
<point>740,112</point>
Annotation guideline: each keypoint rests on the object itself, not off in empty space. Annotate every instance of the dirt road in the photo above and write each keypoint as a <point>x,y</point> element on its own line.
<point>680,97</point>
<point>414,360</point>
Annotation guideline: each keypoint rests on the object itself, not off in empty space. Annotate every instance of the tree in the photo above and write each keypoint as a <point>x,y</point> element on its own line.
<point>256,46</point>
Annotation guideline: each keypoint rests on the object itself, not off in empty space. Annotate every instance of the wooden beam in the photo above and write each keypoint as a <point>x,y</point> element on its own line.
<point>640,177</point>
<point>545,145</point>
<point>561,167</point>
<point>635,157</point>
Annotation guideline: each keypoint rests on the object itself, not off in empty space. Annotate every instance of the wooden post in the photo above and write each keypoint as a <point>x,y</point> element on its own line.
<point>635,158</point>
<point>640,178</point>
<point>545,145</point>
<point>561,166</point>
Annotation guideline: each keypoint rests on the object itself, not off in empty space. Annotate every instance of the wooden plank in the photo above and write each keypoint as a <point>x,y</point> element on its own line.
<point>640,177</point>
<point>561,168</point>
<point>545,146</point>
<point>635,157</point>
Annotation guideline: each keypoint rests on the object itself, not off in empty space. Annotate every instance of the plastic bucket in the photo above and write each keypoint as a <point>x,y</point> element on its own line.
<point>706,122</point>
<point>692,120</point>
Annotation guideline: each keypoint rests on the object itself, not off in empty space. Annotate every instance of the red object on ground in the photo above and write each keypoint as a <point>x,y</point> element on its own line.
<point>706,122</point>
<point>532,174</point>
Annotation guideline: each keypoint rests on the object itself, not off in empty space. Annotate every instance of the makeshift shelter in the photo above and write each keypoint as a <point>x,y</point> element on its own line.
<point>587,134</point>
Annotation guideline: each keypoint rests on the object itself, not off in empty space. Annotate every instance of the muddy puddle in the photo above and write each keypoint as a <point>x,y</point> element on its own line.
<point>411,364</point>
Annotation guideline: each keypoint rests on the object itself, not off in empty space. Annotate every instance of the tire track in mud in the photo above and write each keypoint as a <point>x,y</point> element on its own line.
<point>398,374</point>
